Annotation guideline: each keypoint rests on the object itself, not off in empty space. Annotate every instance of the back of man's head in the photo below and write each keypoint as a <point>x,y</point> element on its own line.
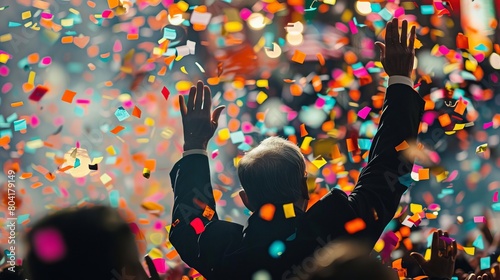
<point>348,260</point>
<point>86,243</point>
<point>273,172</point>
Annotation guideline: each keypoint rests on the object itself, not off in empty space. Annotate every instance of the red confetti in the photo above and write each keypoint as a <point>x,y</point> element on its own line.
<point>165,93</point>
<point>198,226</point>
<point>38,93</point>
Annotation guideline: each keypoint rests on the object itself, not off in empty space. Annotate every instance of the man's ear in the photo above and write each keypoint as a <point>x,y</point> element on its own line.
<point>244,198</point>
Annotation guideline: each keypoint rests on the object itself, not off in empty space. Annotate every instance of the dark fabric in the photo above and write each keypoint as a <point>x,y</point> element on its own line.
<point>227,250</point>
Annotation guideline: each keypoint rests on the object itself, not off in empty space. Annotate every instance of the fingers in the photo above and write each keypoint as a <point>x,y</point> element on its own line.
<point>182,106</point>
<point>435,243</point>
<point>151,267</point>
<point>199,95</point>
<point>413,35</point>
<point>395,32</point>
<point>418,258</point>
<point>454,249</point>
<point>472,276</point>
<point>388,33</point>
<point>207,99</point>
<point>381,46</point>
<point>404,34</point>
<point>192,94</point>
<point>216,114</point>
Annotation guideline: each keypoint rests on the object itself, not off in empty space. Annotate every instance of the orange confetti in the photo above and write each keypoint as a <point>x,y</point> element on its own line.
<point>321,59</point>
<point>460,108</point>
<point>117,129</point>
<point>150,164</point>
<point>299,57</point>
<point>355,225</point>
<point>295,90</point>
<point>267,212</point>
<point>67,39</point>
<point>423,174</point>
<point>444,120</point>
<point>68,96</point>
<point>403,146</point>
<point>303,131</point>
<point>351,146</point>
<point>16,104</point>
<point>36,185</point>
<point>136,112</point>
<point>132,37</point>
<point>113,3</point>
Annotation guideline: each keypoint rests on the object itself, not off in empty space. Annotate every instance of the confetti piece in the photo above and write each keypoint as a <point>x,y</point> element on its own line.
<point>462,41</point>
<point>165,92</point>
<point>114,197</point>
<point>111,150</point>
<point>470,250</point>
<point>479,219</point>
<point>276,249</point>
<point>197,225</point>
<point>16,104</point>
<point>289,210</point>
<point>320,162</point>
<point>38,93</point>
<point>117,129</point>
<point>403,146</point>
<point>20,125</point>
<point>363,113</point>
<point>444,120</point>
<point>215,153</point>
<point>423,174</point>
<point>136,112</point>
<point>478,243</point>
<point>261,97</point>
<point>427,9</point>
<point>68,96</point>
<point>495,197</point>
<point>299,57</point>
<point>303,131</point>
<point>267,212</point>
<point>208,213</point>
<point>49,245</point>
<point>355,225</point>
<point>485,263</point>
<point>121,114</point>
<point>481,148</point>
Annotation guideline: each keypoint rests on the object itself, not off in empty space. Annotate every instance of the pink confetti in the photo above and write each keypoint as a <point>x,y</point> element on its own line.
<point>215,153</point>
<point>47,60</point>
<point>4,71</point>
<point>399,12</point>
<point>245,13</point>
<point>341,27</point>
<point>106,13</point>
<point>353,27</point>
<point>7,87</point>
<point>495,197</point>
<point>487,125</point>
<point>479,219</point>
<point>77,144</point>
<point>160,266</point>
<point>35,121</point>
<point>363,113</point>
<point>443,50</point>
<point>49,245</point>
<point>46,15</point>
<point>117,46</point>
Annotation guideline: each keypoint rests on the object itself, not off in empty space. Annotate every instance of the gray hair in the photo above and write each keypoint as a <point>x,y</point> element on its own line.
<point>272,172</point>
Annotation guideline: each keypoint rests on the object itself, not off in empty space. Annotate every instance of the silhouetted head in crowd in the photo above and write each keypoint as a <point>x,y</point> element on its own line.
<point>87,243</point>
<point>273,172</point>
<point>349,261</point>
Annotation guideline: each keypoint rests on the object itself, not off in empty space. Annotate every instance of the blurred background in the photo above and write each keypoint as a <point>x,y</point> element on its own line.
<point>89,109</point>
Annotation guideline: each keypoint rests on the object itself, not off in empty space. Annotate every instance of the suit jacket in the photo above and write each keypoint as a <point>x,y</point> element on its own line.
<point>285,247</point>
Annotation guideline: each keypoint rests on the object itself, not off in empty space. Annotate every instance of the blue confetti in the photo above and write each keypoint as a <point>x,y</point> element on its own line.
<point>485,263</point>
<point>276,249</point>
<point>237,137</point>
<point>478,243</point>
<point>77,163</point>
<point>427,9</point>
<point>114,196</point>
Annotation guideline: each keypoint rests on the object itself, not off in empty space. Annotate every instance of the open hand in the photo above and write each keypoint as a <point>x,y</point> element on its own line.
<point>443,255</point>
<point>199,125</point>
<point>397,54</point>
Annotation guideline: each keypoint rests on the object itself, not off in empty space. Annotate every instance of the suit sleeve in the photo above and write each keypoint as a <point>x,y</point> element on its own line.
<point>193,206</point>
<point>382,182</point>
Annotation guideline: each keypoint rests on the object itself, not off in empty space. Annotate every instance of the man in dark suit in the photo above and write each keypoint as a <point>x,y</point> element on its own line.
<point>281,239</point>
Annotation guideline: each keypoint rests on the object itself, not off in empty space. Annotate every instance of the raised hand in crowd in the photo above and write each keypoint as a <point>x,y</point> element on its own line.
<point>443,254</point>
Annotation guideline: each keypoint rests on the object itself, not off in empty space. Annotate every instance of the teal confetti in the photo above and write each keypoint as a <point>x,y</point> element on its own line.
<point>14,24</point>
<point>385,14</point>
<point>427,9</point>
<point>77,163</point>
<point>169,33</point>
<point>276,249</point>
<point>478,243</point>
<point>237,137</point>
<point>114,197</point>
<point>481,47</point>
<point>485,263</point>
<point>20,125</point>
<point>121,114</point>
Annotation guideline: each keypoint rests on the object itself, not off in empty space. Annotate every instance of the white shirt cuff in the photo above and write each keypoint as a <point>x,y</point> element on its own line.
<point>400,80</point>
<point>194,152</point>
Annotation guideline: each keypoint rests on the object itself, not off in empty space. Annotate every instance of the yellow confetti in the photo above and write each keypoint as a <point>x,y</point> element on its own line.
<point>261,97</point>
<point>470,250</point>
<point>427,255</point>
<point>31,77</point>
<point>183,70</point>
<point>289,210</point>
<point>105,178</point>
<point>111,150</point>
<point>481,148</point>
<point>224,134</point>
<point>262,83</point>
<point>306,142</point>
<point>319,162</point>
<point>26,15</point>
<point>5,37</point>
<point>149,121</point>
<point>4,58</point>
<point>416,208</point>
<point>67,22</point>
